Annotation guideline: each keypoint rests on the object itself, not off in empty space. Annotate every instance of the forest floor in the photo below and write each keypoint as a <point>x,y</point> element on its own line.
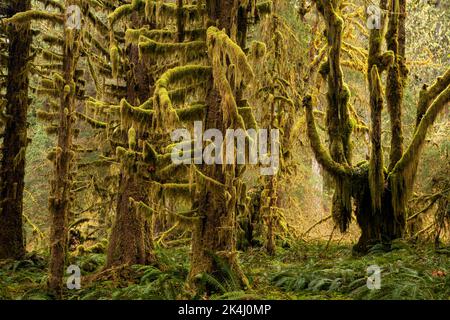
<point>302,271</point>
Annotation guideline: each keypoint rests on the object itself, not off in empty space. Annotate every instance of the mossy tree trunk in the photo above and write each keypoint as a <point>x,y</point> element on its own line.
<point>60,192</point>
<point>337,115</point>
<point>214,236</point>
<point>12,172</point>
<point>131,239</point>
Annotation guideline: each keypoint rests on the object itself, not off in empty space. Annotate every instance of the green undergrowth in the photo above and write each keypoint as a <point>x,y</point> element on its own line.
<point>303,271</point>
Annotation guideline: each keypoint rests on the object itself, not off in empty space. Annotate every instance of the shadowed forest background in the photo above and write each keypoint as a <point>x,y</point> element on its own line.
<point>91,90</point>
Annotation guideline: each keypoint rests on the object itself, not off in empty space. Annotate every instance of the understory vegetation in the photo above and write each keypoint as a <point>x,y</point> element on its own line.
<point>303,271</point>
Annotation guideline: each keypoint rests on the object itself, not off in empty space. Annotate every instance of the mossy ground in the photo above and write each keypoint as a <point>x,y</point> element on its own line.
<point>303,271</point>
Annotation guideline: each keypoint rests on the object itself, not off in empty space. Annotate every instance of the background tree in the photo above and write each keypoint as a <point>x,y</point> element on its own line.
<point>15,141</point>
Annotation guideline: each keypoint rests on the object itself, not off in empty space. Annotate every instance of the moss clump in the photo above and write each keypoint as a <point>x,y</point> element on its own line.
<point>258,50</point>
<point>115,60</point>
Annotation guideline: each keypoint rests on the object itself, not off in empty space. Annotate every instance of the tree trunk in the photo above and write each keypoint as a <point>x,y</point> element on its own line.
<point>60,193</point>
<point>131,239</point>
<point>12,172</point>
<point>214,236</point>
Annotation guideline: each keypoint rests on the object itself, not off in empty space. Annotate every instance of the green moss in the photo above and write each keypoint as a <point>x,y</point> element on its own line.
<point>91,121</point>
<point>28,16</point>
<point>115,60</point>
<point>187,50</point>
<point>258,50</point>
<point>125,10</point>
<point>264,7</point>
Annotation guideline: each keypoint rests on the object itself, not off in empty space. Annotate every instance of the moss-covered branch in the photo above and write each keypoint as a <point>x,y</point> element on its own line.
<point>428,94</point>
<point>188,50</point>
<point>28,16</point>
<point>322,155</point>
<point>91,121</point>
<point>403,174</point>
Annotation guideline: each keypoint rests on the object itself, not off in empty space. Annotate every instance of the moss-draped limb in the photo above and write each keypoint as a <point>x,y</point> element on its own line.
<point>157,9</point>
<point>165,114</point>
<point>125,10</point>
<point>91,121</point>
<point>322,155</point>
<point>231,71</point>
<point>428,94</point>
<point>188,50</point>
<point>402,177</point>
<point>53,40</point>
<point>27,16</point>
<point>143,116</point>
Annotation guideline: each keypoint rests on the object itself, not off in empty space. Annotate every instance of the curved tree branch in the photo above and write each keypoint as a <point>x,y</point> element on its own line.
<point>321,154</point>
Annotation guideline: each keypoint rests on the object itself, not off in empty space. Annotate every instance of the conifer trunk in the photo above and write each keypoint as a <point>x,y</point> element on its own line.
<point>214,237</point>
<point>131,240</point>
<point>60,192</point>
<point>12,172</point>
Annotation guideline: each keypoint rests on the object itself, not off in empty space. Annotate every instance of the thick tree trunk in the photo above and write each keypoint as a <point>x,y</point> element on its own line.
<point>12,172</point>
<point>131,239</point>
<point>214,236</point>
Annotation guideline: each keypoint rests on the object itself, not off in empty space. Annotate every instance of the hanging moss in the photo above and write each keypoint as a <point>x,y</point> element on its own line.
<point>54,4</point>
<point>165,114</point>
<point>115,60</point>
<point>46,116</point>
<point>231,70</point>
<point>187,50</point>
<point>162,12</point>
<point>258,50</point>
<point>132,138</point>
<point>264,7</point>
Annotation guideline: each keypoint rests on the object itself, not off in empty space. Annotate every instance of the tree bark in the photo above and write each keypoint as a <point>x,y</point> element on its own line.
<point>12,172</point>
<point>214,236</point>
